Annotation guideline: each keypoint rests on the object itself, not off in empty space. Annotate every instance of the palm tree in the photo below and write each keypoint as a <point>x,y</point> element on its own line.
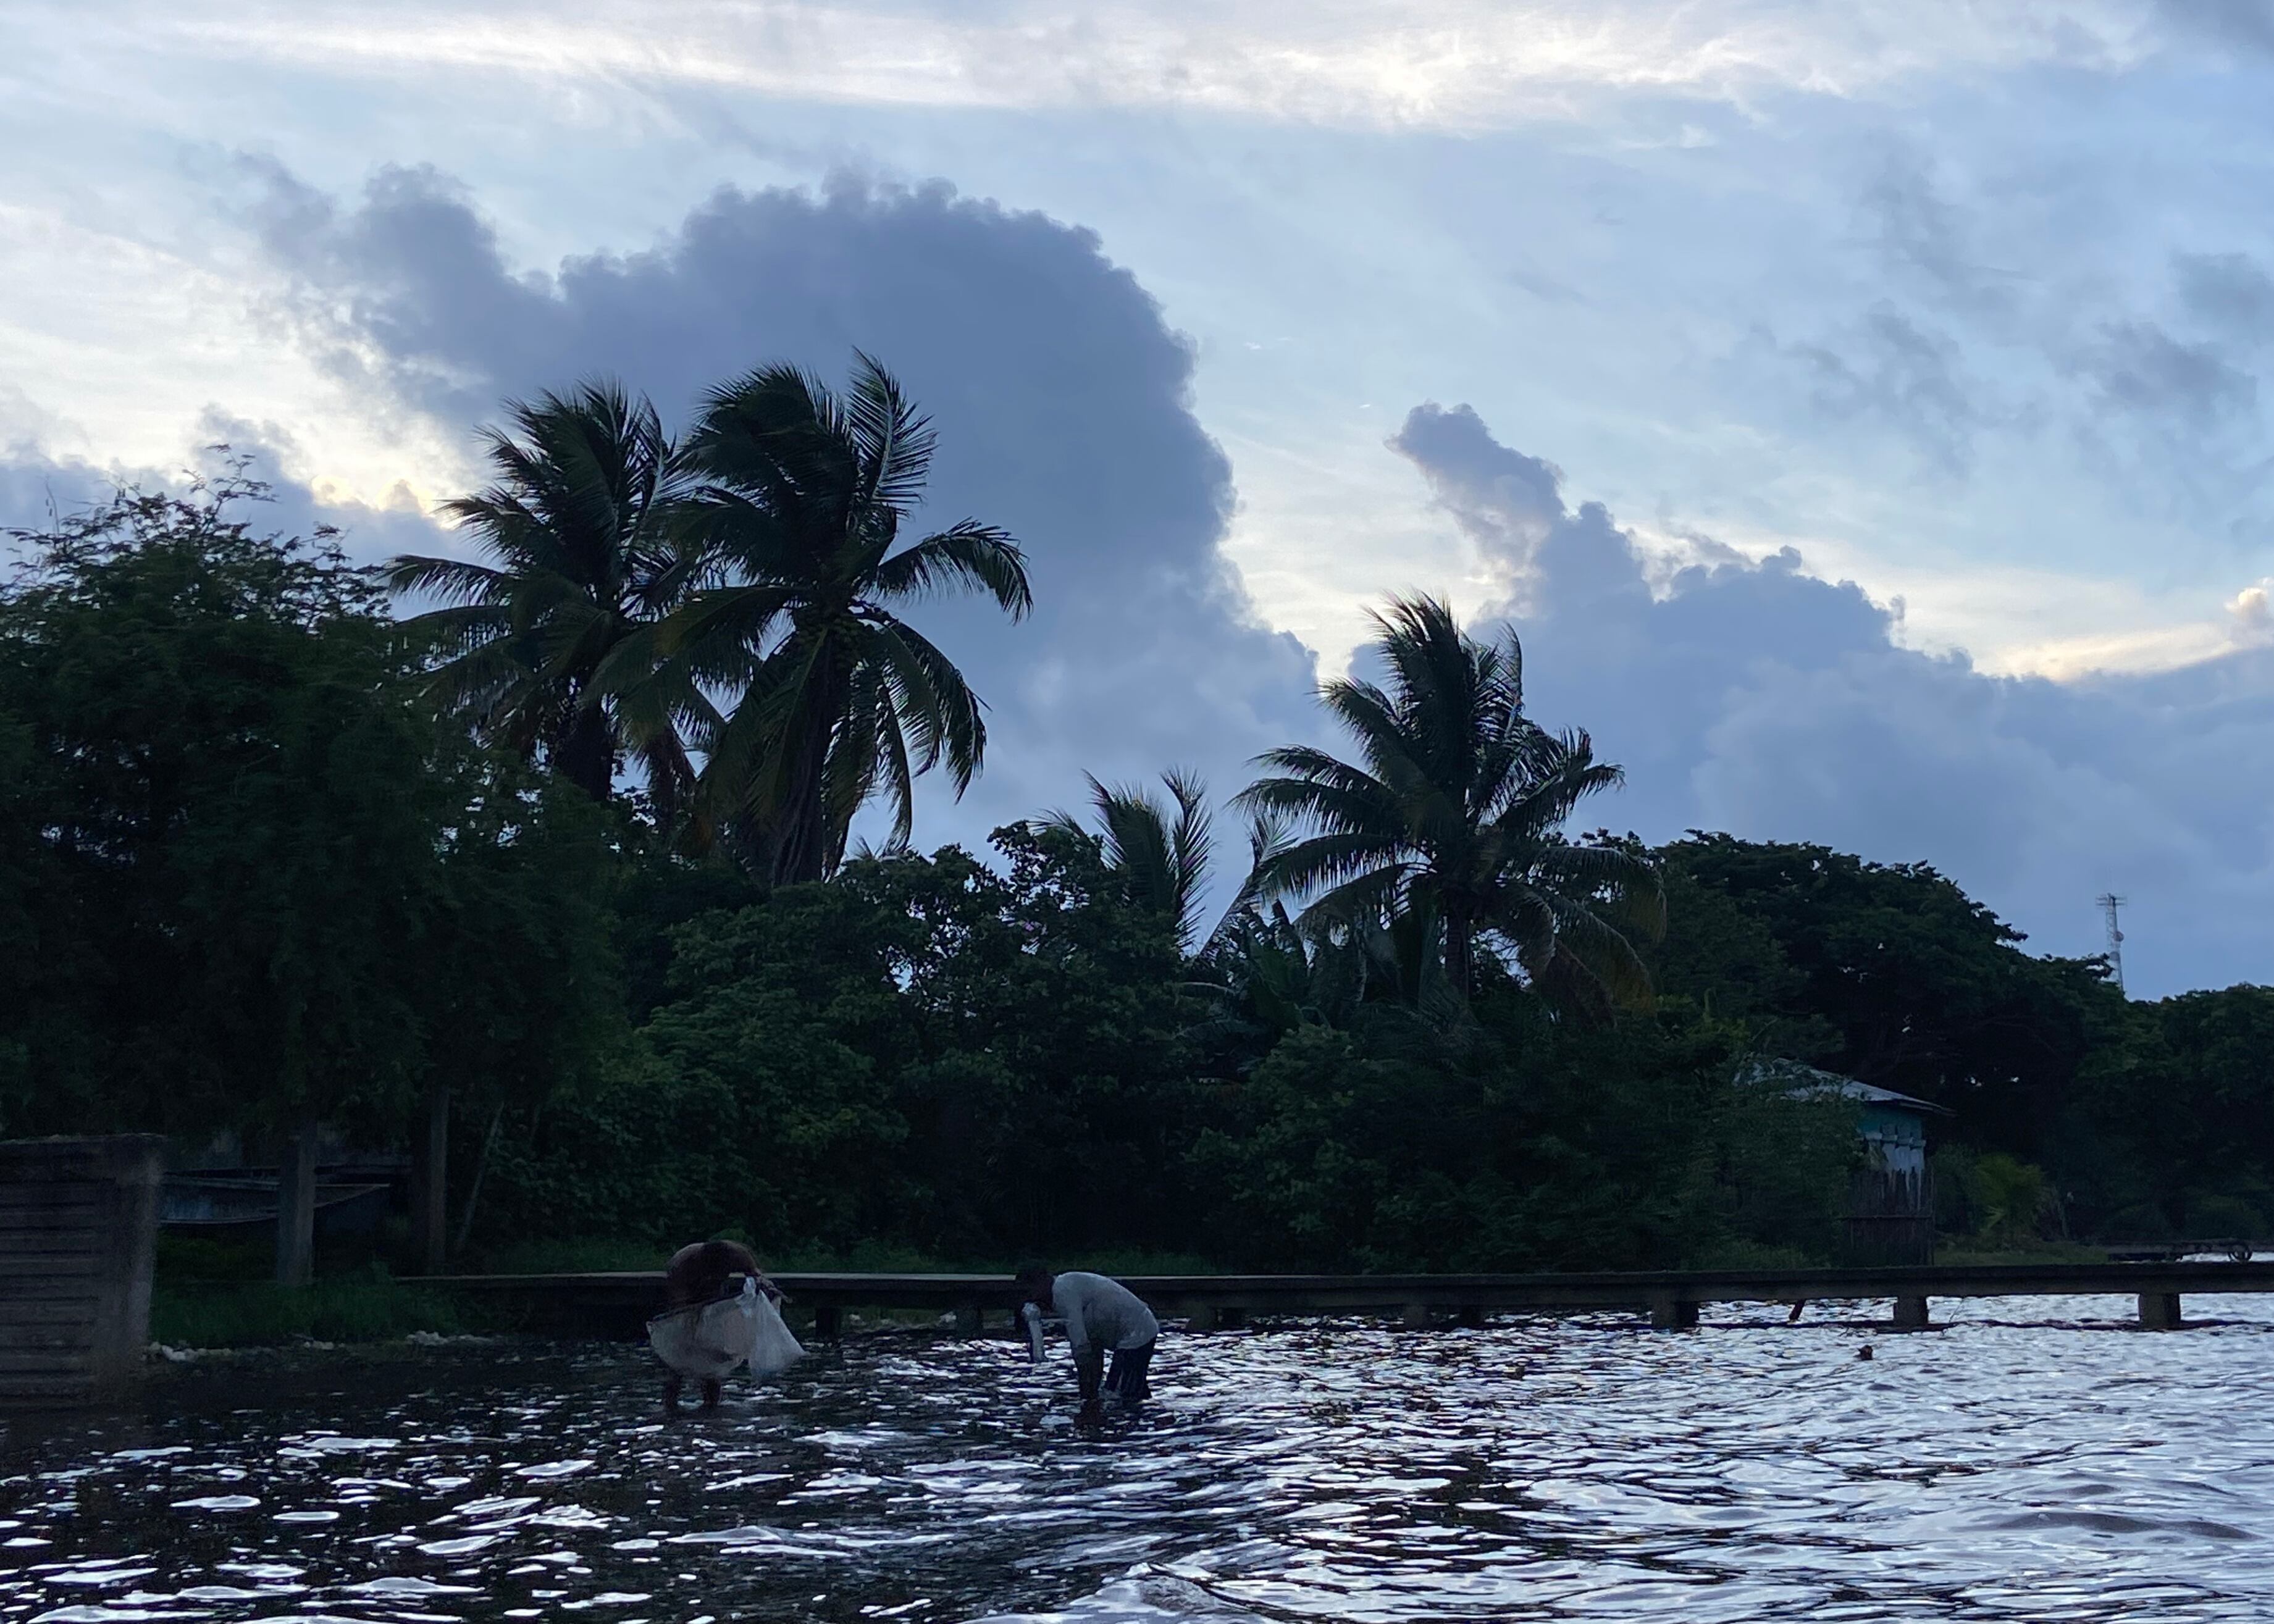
<point>800,498</point>
<point>1453,824</point>
<point>580,533</point>
<point>1161,855</point>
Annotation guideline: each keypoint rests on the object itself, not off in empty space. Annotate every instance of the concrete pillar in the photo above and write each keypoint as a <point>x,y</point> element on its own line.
<point>824,1319</point>
<point>1669,1312</point>
<point>1416,1316</point>
<point>2159,1310</point>
<point>1911,1313</point>
<point>79,1225</point>
<point>967,1320</point>
<point>296,1209</point>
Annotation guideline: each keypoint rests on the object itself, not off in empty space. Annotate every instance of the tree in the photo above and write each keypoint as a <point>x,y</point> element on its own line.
<point>1890,973</point>
<point>801,498</point>
<point>935,1052</point>
<point>235,788</point>
<point>1161,855</point>
<point>258,885</point>
<point>584,547</point>
<point>519,993</point>
<point>1453,822</point>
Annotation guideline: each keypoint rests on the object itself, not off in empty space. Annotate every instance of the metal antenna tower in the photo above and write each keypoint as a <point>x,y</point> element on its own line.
<point>2109,902</point>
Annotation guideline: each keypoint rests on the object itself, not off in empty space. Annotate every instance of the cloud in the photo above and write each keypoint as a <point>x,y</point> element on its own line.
<point>2230,292</point>
<point>1460,63</point>
<point>34,490</point>
<point>2246,26</point>
<point>1756,698</point>
<point>1932,241</point>
<point>38,489</point>
<point>1978,336</point>
<point>1062,400</point>
<point>1889,372</point>
<point>2138,367</point>
<point>2253,612</point>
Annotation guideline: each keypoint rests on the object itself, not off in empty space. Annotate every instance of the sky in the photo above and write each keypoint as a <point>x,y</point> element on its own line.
<point>1854,408</point>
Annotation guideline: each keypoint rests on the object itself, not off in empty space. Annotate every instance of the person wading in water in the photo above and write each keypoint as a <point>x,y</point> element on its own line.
<point>1101,1315</point>
<point>706,1272</point>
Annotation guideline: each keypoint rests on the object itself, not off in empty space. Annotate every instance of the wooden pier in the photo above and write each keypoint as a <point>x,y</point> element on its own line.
<point>618,1304</point>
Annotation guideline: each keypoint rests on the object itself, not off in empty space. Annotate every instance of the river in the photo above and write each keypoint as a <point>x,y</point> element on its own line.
<point>2029,1461</point>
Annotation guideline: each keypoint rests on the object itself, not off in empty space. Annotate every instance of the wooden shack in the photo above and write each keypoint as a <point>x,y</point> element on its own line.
<point>79,1222</point>
<point>1890,1196</point>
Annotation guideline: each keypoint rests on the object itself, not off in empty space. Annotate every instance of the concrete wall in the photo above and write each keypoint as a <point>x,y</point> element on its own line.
<point>79,1224</point>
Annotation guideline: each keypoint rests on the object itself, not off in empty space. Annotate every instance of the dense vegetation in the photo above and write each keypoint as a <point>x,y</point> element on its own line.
<point>564,865</point>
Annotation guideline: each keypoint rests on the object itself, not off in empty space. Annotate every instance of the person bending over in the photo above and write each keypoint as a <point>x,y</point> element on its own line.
<point>707,1272</point>
<point>1101,1315</point>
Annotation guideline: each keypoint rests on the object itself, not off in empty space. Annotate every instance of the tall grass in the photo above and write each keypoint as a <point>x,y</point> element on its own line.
<point>368,1306</point>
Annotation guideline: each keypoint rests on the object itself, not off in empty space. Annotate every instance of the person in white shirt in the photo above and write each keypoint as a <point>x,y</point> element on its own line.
<point>1100,1316</point>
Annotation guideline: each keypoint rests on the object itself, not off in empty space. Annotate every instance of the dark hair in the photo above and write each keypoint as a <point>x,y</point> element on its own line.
<point>1034,1279</point>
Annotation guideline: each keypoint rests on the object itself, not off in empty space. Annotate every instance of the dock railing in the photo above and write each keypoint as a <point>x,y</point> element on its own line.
<point>618,1304</point>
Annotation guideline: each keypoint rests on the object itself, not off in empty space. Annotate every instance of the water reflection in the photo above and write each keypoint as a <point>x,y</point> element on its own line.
<point>1997,1469</point>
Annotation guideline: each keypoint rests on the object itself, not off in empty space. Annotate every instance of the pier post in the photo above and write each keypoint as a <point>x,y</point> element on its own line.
<point>1416,1316</point>
<point>1202,1319</point>
<point>1472,1316</point>
<point>1911,1314</point>
<point>296,1208</point>
<point>824,1319</point>
<point>1669,1312</point>
<point>967,1320</point>
<point>2159,1310</point>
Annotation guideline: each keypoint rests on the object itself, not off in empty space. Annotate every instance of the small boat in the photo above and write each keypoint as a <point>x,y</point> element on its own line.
<point>244,1205</point>
<point>2233,1249</point>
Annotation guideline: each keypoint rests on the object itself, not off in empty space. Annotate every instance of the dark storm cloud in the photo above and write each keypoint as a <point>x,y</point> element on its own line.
<point>1761,700</point>
<point>1062,399</point>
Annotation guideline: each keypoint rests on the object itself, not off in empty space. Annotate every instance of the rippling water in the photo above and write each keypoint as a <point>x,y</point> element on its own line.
<point>2002,1468</point>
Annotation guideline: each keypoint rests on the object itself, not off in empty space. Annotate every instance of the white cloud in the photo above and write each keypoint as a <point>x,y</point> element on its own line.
<point>2252,609</point>
<point>1458,64</point>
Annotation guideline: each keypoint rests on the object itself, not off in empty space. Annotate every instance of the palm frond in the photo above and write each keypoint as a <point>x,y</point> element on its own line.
<point>966,555</point>
<point>954,722</point>
<point>895,440</point>
<point>453,581</point>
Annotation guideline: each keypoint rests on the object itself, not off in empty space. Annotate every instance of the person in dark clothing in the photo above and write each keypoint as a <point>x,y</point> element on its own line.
<point>707,1272</point>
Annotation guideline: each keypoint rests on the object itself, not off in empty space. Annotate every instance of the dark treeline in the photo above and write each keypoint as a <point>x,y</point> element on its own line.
<point>560,865</point>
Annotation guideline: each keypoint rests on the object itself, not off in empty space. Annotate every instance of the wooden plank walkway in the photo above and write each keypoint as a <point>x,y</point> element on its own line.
<point>618,1304</point>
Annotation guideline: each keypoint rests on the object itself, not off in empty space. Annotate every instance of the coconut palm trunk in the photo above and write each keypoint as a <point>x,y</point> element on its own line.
<point>802,850</point>
<point>585,754</point>
<point>1460,947</point>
